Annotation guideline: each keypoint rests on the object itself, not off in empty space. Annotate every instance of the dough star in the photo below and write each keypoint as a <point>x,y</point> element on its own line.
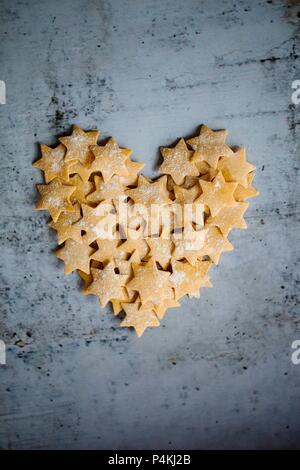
<point>83,171</point>
<point>242,193</point>
<point>188,279</point>
<point>135,243</point>
<point>177,162</point>
<point>81,191</point>
<point>186,196</point>
<point>106,250</point>
<point>209,175</point>
<point>106,284</point>
<point>125,266</point>
<point>110,160</point>
<point>229,217</point>
<point>139,316</point>
<point>75,256</point>
<point>53,163</point>
<point>217,194</point>
<point>65,228</point>
<point>169,301</point>
<point>184,208</point>
<point>188,243</point>
<point>92,221</point>
<point>209,146</point>
<point>55,198</point>
<point>215,244</point>
<point>133,170</point>
<point>236,168</point>
<point>112,189</point>
<point>161,250</point>
<point>148,193</point>
<point>148,281</point>
<point>78,145</point>
<point>125,298</point>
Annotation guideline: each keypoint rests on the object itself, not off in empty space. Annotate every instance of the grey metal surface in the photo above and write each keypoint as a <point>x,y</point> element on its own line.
<point>218,373</point>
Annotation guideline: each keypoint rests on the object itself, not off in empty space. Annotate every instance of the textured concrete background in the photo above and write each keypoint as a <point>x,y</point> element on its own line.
<point>218,373</point>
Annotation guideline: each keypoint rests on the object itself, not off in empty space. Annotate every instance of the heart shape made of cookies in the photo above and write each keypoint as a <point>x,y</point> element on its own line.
<point>138,243</point>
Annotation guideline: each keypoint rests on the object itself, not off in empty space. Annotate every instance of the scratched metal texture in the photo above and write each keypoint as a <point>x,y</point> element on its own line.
<point>218,373</point>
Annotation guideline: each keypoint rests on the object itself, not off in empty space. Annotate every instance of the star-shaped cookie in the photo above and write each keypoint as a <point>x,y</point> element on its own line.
<point>64,226</point>
<point>134,243</point>
<point>229,217</point>
<point>93,220</point>
<point>133,169</point>
<point>83,189</point>
<point>110,160</point>
<point>187,196</point>
<point>241,193</point>
<point>106,250</point>
<point>236,168</point>
<point>188,244</point>
<point>139,316</point>
<point>75,256</point>
<point>78,145</point>
<point>161,250</point>
<point>209,146</point>
<point>188,279</point>
<point>53,163</point>
<point>78,169</point>
<point>148,193</point>
<point>125,298</point>
<point>169,301</point>
<point>106,284</point>
<point>55,198</point>
<point>177,162</point>
<point>124,266</point>
<point>215,244</point>
<point>148,281</point>
<point>217,194</point>
<point>112,189</point>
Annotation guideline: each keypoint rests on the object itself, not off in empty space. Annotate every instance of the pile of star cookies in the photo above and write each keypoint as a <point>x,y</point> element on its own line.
<point>142,270</point>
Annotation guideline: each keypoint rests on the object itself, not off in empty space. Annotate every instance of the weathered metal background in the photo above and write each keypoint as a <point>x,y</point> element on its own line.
<point>218,373</point>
